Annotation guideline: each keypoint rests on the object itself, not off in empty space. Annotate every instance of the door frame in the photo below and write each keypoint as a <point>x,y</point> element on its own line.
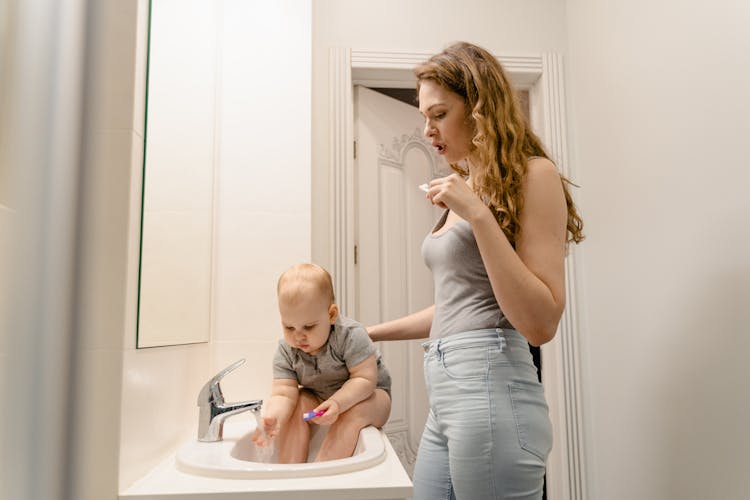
<point>542,76</point>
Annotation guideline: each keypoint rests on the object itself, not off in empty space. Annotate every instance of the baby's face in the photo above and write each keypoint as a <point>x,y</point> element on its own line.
<point>306,322</point>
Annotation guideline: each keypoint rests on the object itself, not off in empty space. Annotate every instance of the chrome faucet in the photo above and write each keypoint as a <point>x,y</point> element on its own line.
<point>213,410</point>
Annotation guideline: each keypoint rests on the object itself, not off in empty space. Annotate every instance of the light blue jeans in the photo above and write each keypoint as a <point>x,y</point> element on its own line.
<point>488,432</point>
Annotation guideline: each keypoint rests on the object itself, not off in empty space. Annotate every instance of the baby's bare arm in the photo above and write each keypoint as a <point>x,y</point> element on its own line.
<point>277,409</point>
<point>360,386</point>
<point>284,394</point>
<point>363,379</point>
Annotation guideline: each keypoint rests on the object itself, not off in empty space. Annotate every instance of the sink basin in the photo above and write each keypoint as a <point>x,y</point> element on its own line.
<point>237,457</point>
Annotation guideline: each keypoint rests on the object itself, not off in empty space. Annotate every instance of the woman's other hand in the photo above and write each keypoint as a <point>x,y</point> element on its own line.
<point>453,192</point>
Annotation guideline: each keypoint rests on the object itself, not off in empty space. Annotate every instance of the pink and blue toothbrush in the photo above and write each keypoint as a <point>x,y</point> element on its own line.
<point>312,414</point>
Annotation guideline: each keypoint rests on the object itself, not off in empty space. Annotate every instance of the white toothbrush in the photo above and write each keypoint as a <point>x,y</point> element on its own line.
<point>424,187</point>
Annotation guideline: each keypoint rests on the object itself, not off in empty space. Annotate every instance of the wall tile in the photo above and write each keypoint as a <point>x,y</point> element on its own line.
<point>277,184</point>
<point>160,388</point>
<point>253,249</point>
<point>265,116</point>
<point>251,380</point>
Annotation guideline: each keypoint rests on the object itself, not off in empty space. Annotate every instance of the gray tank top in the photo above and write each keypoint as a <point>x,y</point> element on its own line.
<point>463,295</point>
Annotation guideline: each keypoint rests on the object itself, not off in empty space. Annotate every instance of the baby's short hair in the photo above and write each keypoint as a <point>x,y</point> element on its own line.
<point>300,278</point>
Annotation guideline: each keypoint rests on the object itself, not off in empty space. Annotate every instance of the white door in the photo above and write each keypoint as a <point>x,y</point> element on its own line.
<point>392,159</point>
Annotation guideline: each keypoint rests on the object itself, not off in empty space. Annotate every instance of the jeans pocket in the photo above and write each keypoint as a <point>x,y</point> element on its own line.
<point>532,418</point>
<point>465,363</point>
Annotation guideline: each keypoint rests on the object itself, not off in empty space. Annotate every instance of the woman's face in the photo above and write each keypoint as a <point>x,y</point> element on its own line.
<point>446,123</point>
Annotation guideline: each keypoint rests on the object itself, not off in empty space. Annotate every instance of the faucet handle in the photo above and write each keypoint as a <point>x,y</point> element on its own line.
<point>211,390</point>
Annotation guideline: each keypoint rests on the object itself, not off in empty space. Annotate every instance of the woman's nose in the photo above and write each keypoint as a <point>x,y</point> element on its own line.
<point>428,129</point>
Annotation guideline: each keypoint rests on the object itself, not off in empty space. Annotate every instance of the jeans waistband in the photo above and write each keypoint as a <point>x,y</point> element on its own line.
<point>505,336</point>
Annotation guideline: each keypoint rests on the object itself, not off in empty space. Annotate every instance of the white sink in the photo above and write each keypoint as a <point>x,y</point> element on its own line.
<point>236,456</point>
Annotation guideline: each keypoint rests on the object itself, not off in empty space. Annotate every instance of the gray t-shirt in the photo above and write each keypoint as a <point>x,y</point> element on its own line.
<point>464,300</point>
<point>324,373</point>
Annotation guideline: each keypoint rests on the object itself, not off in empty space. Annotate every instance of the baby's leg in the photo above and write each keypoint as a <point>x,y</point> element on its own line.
<point>344,432</point>
<point>294,435</point>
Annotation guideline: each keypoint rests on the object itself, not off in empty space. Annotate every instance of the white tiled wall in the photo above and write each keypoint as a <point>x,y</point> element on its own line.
<point>263,223</point>
<point>262,227</point>
<point>160,388</point>
<point>159,385</point>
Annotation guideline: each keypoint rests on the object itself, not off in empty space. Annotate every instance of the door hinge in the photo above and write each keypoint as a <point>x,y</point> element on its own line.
<point>355,150</point>
<point>356,255</point>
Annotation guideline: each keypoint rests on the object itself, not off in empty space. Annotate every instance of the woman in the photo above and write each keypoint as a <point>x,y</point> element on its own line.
<point>497,257</point>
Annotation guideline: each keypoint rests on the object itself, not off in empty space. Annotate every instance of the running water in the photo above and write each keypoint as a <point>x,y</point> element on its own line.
<point>264,453</point>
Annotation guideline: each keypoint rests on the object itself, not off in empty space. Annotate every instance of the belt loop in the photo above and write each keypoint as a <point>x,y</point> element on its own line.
<point>501,337</point>
<point>437,349</point>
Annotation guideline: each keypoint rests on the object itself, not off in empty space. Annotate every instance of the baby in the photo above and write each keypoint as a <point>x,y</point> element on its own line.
<point>326,371</point>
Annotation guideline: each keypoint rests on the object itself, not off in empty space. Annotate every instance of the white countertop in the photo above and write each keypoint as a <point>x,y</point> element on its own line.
<point>387,480</point>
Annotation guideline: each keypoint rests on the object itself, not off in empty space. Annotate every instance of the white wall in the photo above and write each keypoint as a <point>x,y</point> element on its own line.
<point>659,118</point>
<point>262,227</point>
<point>263,224</point>
<point>502,26</point>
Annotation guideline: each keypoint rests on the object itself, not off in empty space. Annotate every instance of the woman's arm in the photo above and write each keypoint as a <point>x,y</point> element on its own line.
<point>528,282</point>
<point>413,326</point>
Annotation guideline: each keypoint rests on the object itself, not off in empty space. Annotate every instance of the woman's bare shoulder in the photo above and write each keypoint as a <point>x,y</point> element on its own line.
<point>544,199</point>
<point>540,166</point>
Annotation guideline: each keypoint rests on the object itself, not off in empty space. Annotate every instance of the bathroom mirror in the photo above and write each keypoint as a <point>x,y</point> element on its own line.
<point>175,277</point>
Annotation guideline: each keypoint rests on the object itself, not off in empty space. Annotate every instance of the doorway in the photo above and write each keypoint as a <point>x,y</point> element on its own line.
<point>392,217</point>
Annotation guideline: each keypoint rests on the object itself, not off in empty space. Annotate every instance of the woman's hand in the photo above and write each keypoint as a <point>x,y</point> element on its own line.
<point>454,193</point>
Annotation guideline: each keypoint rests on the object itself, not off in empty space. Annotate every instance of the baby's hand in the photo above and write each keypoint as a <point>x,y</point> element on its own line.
<point>331,409</point>
<point>264,436</point>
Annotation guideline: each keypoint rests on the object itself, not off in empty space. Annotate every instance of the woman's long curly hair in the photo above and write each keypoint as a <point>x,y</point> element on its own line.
<point>503,140</point>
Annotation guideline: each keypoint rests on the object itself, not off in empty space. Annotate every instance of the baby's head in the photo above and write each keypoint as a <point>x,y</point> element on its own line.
<point>306,306</point>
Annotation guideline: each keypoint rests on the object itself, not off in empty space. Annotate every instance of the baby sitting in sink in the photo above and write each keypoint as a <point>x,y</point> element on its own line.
<point>325,364</point>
